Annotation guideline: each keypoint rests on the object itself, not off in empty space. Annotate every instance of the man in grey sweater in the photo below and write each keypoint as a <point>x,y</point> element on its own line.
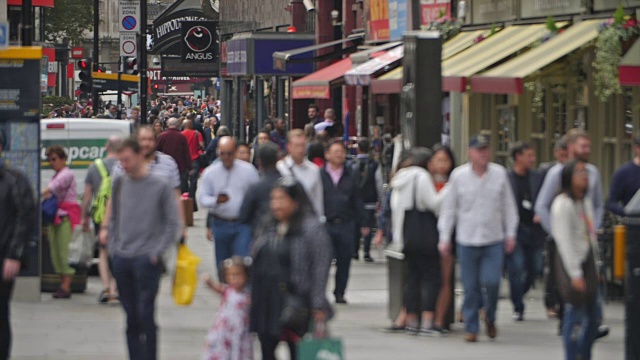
<point>145,222</point>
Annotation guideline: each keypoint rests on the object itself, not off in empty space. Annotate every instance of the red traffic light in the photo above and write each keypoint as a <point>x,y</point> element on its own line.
<point>83,64</point>
<point>100,70</point>
<point>156,86</point>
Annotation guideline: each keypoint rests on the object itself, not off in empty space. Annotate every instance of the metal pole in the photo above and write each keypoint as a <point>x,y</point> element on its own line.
<point>119,98</point>
<point>27,24</point>
<point>96,51</point>
<point>142,63</point>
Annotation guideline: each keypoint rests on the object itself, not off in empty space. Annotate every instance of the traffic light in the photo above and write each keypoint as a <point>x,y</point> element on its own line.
<point>84,66</point>
<point>156,87</point>
<point>130,65</point>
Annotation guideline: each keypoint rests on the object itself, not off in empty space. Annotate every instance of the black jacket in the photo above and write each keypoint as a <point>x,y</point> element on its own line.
<point>256,202</point>
<point>536,178</point>
<point>343,202</point>
<point>17,213</point>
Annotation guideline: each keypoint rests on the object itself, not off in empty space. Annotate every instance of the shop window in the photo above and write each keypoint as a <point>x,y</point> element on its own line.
<point>506,132</point>
<point>559,110</point>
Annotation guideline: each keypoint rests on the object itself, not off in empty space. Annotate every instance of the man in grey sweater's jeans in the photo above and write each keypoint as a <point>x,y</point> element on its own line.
<point>145,222</point>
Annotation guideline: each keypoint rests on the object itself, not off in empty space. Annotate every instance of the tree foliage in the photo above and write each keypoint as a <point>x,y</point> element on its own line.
<point>69,18</point>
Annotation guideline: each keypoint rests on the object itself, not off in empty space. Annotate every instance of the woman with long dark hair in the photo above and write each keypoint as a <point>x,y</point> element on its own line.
<point>413,189</point>
<point>573,230</point>
<point>291,259</point>
<point>440,166</point>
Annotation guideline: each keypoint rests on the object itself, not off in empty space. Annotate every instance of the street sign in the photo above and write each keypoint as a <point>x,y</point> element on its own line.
<point>4,34</point>
<point>77,53</point>
<point>128,44</point>
<point>104,82</point>
<point>129,15</point>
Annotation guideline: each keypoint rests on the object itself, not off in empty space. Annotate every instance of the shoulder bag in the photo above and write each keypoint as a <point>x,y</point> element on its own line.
<point>589,271</point>
<point>420,230</point>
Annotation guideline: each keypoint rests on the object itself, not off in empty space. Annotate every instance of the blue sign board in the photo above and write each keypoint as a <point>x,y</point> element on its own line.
<point>4,34</point>
<point>397,19</point>
<point>237,57</point>
<point>264,50</point>
<point>253,55</point>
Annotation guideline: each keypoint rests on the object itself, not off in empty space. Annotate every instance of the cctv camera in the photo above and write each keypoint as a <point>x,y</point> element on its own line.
<point>309,5</point>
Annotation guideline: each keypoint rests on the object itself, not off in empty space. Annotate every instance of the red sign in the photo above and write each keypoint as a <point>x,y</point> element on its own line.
<point>378,28</point>
<point>432,10</point>
<point>41,3</point>
<point>50,53</point>
<point>77,53</point>
<point>70,70</point>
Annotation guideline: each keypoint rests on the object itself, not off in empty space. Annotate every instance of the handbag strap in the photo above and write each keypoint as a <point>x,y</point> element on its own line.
<point>415,192</point>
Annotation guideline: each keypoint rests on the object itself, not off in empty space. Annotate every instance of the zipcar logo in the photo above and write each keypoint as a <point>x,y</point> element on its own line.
<point>80,153</point>
<point>198,38</point>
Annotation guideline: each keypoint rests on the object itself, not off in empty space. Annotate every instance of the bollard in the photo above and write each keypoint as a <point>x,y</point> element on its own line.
<point>619,251</point>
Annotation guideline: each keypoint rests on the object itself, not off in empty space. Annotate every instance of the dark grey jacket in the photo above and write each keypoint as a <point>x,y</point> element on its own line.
<point>311,254</point>
<point>17,213</point>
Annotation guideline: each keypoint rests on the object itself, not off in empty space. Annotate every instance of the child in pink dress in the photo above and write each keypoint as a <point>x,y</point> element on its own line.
<point>229,338</point>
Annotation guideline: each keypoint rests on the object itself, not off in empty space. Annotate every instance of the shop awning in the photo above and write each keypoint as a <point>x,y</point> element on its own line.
<point>508,77</point>
<point>490,51</point>
<point>629,69</point>
<point>461,42</point>
<point>42,3</point>
<point>389,83</point>
<point>365,55</point>
<point>318,84</point>
<point>362,74</point>
<point>282,58</point>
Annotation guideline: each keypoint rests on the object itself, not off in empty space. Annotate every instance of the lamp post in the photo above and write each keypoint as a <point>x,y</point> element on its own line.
<point>142,62</point>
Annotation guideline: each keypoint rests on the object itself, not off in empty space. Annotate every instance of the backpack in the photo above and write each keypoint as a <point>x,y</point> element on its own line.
<point>104,193</point>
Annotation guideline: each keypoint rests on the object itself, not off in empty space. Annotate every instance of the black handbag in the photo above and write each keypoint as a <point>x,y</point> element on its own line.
<point>420,230</point>
<point>296,313</point>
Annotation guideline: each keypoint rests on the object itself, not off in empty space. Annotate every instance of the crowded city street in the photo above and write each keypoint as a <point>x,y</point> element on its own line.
<point>81,329</point>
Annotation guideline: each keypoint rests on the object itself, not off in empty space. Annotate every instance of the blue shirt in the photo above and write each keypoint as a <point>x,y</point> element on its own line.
<point>552,186</point>
<point>235,183</point>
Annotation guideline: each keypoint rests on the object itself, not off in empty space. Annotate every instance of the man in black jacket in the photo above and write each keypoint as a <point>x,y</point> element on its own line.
<point>256,202</point>
<point>344,209</point>
<point>17,223</point>
<point>526,261</point>
<point>370,186</point>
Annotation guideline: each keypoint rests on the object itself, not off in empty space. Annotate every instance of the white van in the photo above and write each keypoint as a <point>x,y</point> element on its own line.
<point>83,139</point>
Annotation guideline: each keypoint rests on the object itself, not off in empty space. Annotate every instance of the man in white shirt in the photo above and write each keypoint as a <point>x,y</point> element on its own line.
<point>481,206</point>
<point>223,187</point>
<point>307,173</point>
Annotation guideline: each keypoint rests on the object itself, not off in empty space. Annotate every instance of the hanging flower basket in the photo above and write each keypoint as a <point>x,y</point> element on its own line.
<point>615,38</point>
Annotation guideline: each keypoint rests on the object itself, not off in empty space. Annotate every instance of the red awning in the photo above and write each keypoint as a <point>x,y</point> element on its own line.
<point>318,85</point>
<point>42,3</point>
<point>629,69</point>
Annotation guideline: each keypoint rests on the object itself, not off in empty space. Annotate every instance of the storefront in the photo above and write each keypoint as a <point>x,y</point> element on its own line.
<point>255,89</point>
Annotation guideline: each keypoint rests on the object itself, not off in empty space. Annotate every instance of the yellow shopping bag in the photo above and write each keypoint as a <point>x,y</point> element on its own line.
<point>185,280</point>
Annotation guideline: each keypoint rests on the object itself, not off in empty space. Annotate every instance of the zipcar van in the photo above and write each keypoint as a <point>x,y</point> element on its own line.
<point>83,139</point>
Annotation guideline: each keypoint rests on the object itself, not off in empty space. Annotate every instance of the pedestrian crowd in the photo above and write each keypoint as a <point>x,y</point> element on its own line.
<point>284,207</point>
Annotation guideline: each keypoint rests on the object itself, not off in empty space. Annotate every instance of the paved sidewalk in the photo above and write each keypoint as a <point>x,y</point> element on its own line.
<point>80,328</point>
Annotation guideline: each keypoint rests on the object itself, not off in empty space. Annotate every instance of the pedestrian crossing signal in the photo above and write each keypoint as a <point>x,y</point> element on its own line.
<point>84,75</point>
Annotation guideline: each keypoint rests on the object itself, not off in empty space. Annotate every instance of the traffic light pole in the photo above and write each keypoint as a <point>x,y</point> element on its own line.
<point>119,99</point>
<point>96,51</point>
<point>142,64</point>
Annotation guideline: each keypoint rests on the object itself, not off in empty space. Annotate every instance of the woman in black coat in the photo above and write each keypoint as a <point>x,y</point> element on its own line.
<point>292,257</point>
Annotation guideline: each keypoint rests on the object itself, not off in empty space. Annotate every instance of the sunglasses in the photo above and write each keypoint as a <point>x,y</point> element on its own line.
<point>52,159</point>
